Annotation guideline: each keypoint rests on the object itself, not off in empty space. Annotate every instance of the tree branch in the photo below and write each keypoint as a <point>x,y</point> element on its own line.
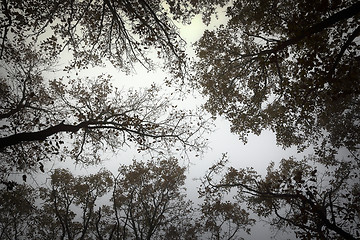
<point>6,11</point>
<point>318,27</point>
<point>315,209</point>
<point>40,135</point>
<point>351,38</point>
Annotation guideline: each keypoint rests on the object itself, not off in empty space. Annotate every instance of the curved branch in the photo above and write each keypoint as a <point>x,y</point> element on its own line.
<point>316,28</point>
<point>161,25</point>
<point>315,209</point>
<point>355,34</point>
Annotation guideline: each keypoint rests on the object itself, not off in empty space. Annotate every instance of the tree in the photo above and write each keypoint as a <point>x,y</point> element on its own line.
<point>288,66</point>
<point>66,194</point>
<point>64,210</point>
<point>223,219</point>
<point>122,32</point>
<point>315,204</point>
<point>38,112</point>
<point>42,117</point>
<point>18,212</point>
<point>149,200</point>
<point>144,201</point>
<point>118,31</point>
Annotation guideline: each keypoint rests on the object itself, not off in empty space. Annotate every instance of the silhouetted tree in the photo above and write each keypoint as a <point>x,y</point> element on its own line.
<point>144,201</point>
<point>300,195</point>
<point>80,117</point>
<point>122,32</point>
<point>223,219</point>
<point>287,66</point>
<point>40,115</point>
<point>17,212</point>
<point>291,67</point>
<point>149,199</point>
<point>69,204</point>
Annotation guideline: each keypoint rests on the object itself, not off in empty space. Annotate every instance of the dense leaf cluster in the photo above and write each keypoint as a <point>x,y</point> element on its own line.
<point>286,66</point>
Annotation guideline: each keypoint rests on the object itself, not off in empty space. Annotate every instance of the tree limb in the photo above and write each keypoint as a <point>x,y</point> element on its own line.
<point>318,27</point>
<point>351,38</point>
<point>40,135</point>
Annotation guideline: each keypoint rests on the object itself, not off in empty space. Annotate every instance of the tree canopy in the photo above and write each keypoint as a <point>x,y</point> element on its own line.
<point>92,30</point>
<point>147,201</point>
<point>96,31</point>
<point>79,116</point>
<point>316,203</point>
<point>288,66</point>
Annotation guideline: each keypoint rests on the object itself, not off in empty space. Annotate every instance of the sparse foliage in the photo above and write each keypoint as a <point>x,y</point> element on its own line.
<point>122,32</point>
<point>316,202</point>
<point>80,118</point>
<point>224,219</point>
<point>144,201</point>
<point>149,199</point>
<point>42,118</point>
<point>67,194</point>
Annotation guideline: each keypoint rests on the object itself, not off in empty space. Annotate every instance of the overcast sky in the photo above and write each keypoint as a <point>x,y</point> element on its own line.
<point>257,153</point>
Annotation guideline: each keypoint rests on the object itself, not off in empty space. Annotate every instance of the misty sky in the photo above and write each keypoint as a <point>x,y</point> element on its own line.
<point>257,153</point>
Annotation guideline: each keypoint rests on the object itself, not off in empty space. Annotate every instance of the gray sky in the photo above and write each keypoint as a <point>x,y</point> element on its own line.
<point>257,153</point>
